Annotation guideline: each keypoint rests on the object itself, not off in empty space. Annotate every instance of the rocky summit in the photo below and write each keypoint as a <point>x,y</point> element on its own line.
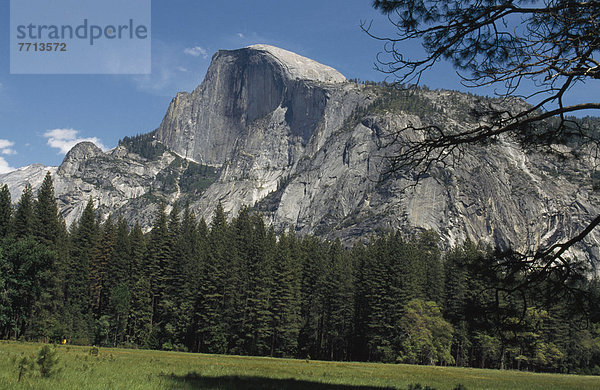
<point>296,141</point>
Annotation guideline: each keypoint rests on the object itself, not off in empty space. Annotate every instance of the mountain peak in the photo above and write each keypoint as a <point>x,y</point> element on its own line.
<point>299,67</point>
<point>82,150</point>
<point>78,153</point>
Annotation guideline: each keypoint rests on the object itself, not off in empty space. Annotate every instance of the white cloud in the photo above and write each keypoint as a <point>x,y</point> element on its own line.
<point>182,69</point>
<point>65,139</point>
<point>241,35</point>
<point>4,143</point>
<point>4,167</point>
<point>196,51</point>
<point>6,147</point>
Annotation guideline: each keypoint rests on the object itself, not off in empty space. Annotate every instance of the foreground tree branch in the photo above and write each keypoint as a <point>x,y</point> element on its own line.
<point>551,44</point>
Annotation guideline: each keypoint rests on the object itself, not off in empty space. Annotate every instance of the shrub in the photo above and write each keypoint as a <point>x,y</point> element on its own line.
<point>25,365</point>
<point>47,360</point>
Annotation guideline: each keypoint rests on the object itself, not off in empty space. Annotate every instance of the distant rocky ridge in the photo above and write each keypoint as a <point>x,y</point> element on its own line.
<point>299,143</point>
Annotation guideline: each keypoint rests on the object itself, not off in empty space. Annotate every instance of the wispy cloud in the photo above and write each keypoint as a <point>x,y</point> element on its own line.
<point>4,167</point>
<point>196,51</point>
<point>65,139</point>
<point>172,71</point>
<point>6,147</point>
<point>247,38</point>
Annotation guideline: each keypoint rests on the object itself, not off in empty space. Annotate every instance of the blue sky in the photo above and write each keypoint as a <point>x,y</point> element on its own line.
<point>42,115</point>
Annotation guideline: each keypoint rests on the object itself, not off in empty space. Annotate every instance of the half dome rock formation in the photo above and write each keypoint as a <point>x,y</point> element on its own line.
<point>297,67</point>
<point>296,141</point>
<point>243,87</point>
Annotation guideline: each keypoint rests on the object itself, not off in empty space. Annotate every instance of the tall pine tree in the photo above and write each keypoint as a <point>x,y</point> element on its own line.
<point>212,328</point>
<point>5,211</point>
<point>285,304</point>
<point>159,258</point>
<point>47,320</point>
<point>78,294</point>
<point>24,223</point>
<point>140,314</point>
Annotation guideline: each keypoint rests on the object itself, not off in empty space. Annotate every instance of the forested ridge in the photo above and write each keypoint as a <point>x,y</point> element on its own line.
<point>239,288</point>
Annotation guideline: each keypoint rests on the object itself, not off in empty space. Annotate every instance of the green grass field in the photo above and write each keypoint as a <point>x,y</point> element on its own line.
<point>142,369</point>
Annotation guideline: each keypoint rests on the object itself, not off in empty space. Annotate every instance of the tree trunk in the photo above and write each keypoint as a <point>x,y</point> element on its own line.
<point>456,360</point>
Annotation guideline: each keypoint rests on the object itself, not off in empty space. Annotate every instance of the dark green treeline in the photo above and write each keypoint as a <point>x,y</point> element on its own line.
<point>238,288</point>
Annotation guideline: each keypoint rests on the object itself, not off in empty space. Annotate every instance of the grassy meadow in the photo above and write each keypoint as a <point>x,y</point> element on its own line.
<point>143,369</point>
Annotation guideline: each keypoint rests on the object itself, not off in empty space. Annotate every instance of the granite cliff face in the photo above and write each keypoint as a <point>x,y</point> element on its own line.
<point>116,181</point>
<point>259,113</point>
<point>241,92</point>
<point>292,138</point>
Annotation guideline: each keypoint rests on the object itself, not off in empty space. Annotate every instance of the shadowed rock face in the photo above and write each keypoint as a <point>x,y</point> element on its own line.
<point>294,139</point>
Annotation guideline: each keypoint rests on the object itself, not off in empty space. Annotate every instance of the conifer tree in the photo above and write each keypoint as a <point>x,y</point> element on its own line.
<point>49,230</point>
<point>261,285</point>
<point>285,304</point>
<point>455,303</point>
<point>78,293</point>
<point>159,256</point>
<point>5,211</point>
<point>119,268</point>
<point>188,247</point>
<point>470,304</point>
<point>312,297</point>
<point>140,315</point>
<point>26,267</point>
<point>381,284</point>
<point>119,305</point>
<point>103,256</point>
<point>198,273</point>
<point>211,331</point>
<point>339,304</point>
<point>250,274</point>
<point>46,226</point>
<point>117,284</point>
<point>434,274</point>
<point>173,268</point>
<point>236,271</point>
<point>24,223</point>
<point>410,272</point>
<point>360,341</point>
<point>173,279</point>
